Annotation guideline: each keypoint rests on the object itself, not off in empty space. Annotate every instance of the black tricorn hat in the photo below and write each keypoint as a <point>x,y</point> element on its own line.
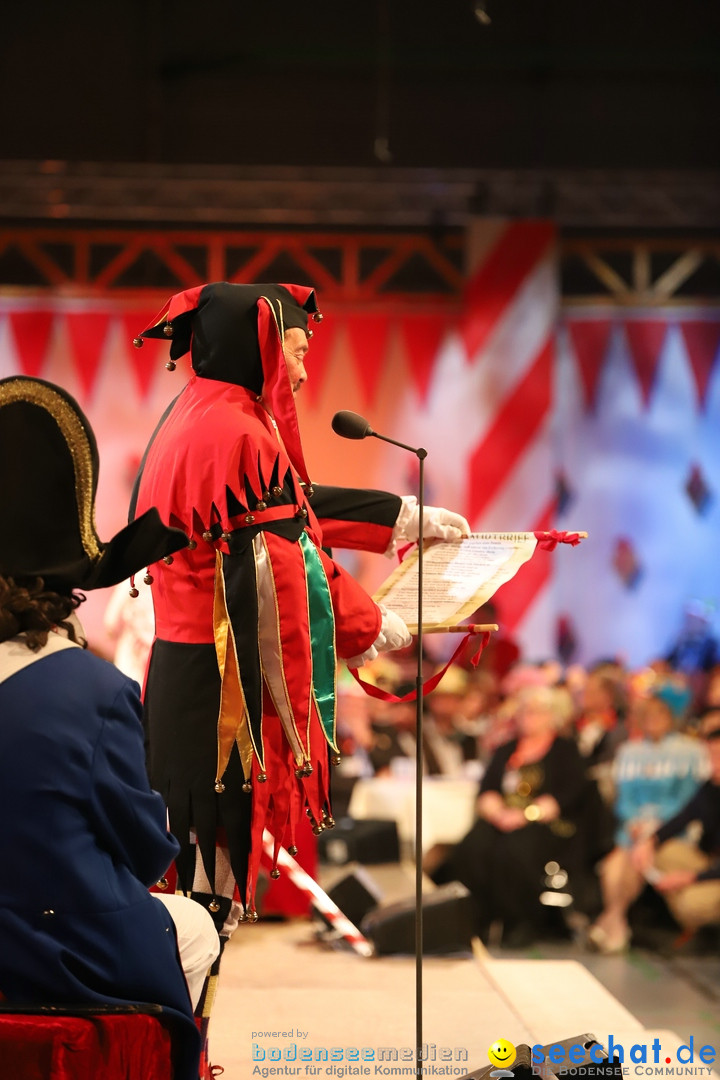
<point>49,466</point>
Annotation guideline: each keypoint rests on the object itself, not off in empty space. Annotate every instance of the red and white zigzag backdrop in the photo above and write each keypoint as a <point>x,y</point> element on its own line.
<point>598,419</point>
<point>486,416</point>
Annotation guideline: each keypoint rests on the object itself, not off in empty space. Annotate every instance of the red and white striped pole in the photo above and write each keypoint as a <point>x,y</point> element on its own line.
<point>303,881</point>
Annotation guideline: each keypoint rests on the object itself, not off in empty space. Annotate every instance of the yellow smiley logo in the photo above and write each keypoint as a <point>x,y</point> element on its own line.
<point>501,1053</point>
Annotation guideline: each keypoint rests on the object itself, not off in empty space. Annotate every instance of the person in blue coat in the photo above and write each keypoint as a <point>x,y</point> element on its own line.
<point>83,834</point>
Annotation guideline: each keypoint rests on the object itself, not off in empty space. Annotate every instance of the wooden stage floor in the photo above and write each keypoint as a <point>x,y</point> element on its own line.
<point>282,990</point>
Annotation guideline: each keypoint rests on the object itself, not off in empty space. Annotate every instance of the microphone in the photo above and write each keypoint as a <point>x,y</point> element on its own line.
<point>349,425</point>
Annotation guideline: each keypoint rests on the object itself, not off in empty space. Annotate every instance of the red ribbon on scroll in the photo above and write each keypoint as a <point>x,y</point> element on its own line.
<point>481,640</point>
<point>548,541</point>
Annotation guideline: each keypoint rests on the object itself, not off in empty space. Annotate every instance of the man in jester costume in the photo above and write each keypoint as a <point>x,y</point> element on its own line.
<point>252,617</point>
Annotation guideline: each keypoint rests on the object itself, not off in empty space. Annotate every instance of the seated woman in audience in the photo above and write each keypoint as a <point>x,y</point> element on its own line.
<point>529,807</point>
<point>655,775</point>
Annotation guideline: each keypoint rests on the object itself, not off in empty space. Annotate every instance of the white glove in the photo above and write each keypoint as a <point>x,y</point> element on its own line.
<point>394,634</point>
<point>437,522</point>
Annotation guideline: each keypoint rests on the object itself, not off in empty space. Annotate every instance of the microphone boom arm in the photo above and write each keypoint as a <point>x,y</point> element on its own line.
<point>419,451</point>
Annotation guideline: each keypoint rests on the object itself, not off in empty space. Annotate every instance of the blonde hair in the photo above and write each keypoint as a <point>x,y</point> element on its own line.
<point>554,699</point>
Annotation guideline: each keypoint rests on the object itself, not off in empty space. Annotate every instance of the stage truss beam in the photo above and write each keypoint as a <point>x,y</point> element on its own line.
<point>357,269</point>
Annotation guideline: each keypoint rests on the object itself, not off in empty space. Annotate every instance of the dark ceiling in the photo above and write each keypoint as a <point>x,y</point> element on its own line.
<point>547,83</point>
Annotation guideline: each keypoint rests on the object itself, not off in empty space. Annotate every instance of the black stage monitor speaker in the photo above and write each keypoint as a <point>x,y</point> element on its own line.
<point>582,1057</point>
<point>361,841</point>
<point>448,923</point>
<point>356,894</point>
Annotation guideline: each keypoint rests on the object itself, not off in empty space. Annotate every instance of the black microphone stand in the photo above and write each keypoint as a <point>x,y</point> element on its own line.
<point>421,454</point>
<point>352,426</point>
<point>419,769</point>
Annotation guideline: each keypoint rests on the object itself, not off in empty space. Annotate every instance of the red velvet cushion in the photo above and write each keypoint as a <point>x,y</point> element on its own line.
<point>133,1047</point>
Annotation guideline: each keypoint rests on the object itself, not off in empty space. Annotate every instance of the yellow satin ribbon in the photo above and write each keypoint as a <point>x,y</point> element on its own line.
<point>233,725</point>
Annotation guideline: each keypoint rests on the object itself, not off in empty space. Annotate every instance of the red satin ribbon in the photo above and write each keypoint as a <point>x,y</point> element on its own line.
<point>385,695</point>
<point>548,541</point>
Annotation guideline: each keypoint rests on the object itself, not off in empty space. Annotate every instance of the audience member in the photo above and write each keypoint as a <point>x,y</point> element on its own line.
<point>655,775</point>
<point>695,651</point>
<point>394,729</point>
<point>696,647</point>
<point>687,871</point>
<point>481,707</point>
<point>529,806</point>
<point>711,696</point>
<point>451,728</point>
<point>599,726</point>
<point>708,722</point>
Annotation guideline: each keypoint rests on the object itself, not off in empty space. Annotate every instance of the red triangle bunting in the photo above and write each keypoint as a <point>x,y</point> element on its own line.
<point>87,338</point>
<point>701,341</point>
<point>645,339</point>
<point>31,330</point>
<point>589,339</point>
<point>146,360</point>
<point>322,344</point>
<point>423,335</point>
<point>368,336</point>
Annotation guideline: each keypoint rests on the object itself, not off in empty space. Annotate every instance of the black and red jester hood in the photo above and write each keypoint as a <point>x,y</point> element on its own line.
<point>234,334</point>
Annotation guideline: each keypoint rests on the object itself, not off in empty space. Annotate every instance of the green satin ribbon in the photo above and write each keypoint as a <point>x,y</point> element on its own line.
<point>322,638</point>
